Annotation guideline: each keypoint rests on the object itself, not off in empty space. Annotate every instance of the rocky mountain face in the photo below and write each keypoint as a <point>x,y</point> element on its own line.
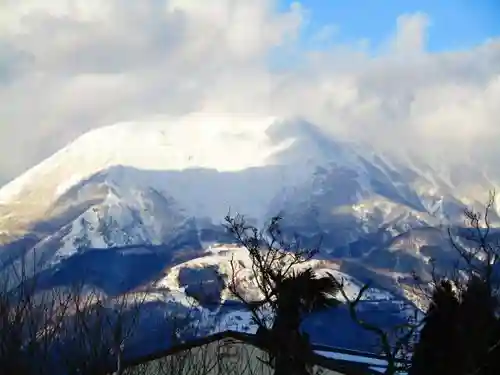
<point>142,204</point>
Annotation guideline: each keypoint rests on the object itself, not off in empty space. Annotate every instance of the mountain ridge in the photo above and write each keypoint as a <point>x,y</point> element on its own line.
<point>169,183</point>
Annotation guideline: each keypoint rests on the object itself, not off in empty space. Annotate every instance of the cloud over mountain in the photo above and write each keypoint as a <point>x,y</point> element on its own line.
<point>70,65</point>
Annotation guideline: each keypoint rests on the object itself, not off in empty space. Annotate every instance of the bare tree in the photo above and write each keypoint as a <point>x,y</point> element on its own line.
<point>95,330</point>
<point>475,280</point>
<point>396,342</point>
<point>478,249</point>
<point>478,257</point>
<point>76,329</point>
<point>287,292</point>
<point>29,321</point>
<point>275,259</point>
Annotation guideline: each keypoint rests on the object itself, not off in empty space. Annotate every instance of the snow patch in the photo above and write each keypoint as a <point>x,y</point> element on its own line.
<point>67,184</point>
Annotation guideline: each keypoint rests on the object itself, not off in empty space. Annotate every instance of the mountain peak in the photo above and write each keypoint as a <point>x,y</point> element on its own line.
<point>212,141</point>
<point>194,158</point>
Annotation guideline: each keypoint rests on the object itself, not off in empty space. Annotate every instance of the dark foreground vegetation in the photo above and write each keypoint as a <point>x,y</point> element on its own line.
<point>461,331</point>
<point>76,330</point>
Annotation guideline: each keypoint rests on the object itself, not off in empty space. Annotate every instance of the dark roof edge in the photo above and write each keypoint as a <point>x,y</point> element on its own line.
<point>346,367</point>
<point>245,337</point>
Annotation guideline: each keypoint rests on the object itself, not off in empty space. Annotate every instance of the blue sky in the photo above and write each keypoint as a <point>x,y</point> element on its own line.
<point>454,24</point>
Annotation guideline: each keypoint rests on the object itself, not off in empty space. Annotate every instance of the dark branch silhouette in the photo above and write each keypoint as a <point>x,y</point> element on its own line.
<point>289,291</point>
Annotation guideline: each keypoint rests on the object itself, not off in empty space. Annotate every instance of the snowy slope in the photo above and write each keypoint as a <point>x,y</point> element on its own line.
<point>220,257</point>
<point>168,183</point>
<point>223,144</point>
<point>203,164</point>
<point>220,143</point>
<point>285,152</point>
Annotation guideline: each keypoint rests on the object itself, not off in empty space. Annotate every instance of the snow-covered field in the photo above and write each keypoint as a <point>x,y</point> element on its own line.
<point>224,258</point>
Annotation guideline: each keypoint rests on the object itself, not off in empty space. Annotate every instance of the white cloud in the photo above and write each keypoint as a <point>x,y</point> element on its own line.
<point>69,65</point>
<point>411,34</point>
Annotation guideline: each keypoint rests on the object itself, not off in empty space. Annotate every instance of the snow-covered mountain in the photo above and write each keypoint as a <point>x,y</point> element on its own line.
<point>140,203</point>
